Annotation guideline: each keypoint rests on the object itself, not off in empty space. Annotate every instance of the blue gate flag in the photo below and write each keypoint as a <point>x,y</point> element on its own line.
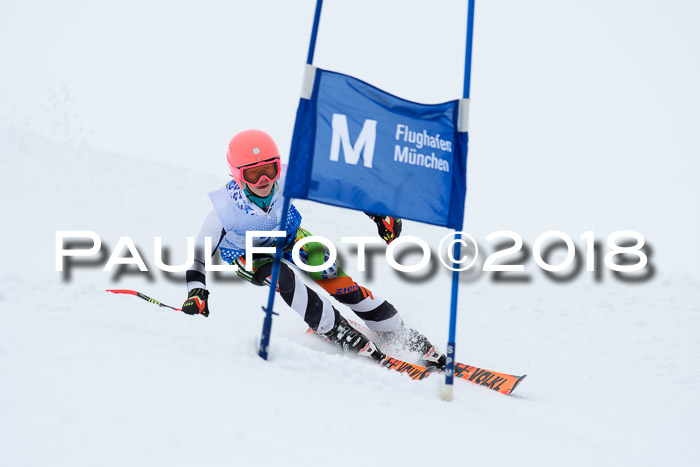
<point>359,147</point>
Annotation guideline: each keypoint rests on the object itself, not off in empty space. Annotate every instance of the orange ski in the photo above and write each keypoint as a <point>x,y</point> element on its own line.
<point>411,369</point>
<point>500,382</point>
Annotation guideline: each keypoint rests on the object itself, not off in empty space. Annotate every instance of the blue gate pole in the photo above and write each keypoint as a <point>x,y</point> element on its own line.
<point>267,323</point>
<point>314,32</point>
<point>450,365</point>
<point>468,54</point>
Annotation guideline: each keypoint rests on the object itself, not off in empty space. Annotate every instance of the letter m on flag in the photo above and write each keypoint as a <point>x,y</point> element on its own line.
<point>365,141</point>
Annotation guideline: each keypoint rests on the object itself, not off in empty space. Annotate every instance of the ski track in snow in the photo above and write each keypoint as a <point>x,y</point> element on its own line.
<point>90,378</point>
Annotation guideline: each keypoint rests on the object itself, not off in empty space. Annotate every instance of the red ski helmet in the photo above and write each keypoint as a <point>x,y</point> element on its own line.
<point>247,148</point>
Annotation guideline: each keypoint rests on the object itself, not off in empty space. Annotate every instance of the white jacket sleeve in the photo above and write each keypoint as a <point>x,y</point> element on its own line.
<point>212,227</point>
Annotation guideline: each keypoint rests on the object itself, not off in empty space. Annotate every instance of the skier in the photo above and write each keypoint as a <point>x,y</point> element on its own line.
<point>253,201</point>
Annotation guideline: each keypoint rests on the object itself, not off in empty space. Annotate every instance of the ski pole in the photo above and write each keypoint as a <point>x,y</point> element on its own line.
<point>145,297</point>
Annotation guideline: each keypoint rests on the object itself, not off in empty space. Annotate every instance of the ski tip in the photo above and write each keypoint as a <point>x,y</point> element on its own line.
<point>516,384</point>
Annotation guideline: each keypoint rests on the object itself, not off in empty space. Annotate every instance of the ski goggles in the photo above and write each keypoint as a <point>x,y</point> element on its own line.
<point>256,174</point>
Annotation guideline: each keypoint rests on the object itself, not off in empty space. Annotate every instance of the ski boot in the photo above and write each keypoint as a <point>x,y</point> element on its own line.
<point>350,340</point>
<point>434,357</point>
<point>413,341</point>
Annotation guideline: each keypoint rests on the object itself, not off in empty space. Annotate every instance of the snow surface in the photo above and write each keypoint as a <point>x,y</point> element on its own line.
<point>90,140</point>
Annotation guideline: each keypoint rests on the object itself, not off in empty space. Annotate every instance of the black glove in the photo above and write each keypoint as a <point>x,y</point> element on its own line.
<point>196,303</point>
<point>389,228</point>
